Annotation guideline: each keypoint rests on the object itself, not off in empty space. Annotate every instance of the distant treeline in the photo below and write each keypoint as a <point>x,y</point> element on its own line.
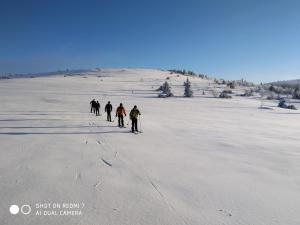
<point>287,84</point>
<point>189,73</point>
<point>32,75</point>
<point>285,89</point>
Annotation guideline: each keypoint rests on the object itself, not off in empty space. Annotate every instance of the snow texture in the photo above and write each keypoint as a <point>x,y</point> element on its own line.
<point>200,160</point>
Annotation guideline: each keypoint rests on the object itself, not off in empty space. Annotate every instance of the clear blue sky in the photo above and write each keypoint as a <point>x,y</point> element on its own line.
<point>255,39</point>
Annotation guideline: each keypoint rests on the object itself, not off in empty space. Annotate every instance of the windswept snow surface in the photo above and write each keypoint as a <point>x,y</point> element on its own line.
<point>199,161</point>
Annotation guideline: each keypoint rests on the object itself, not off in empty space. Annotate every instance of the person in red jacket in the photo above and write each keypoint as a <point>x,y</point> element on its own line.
<point>120,114</point>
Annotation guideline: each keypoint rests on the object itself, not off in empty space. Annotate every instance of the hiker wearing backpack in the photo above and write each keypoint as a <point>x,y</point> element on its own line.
<point>108,109</point>
<point>120,114</point>
<point>134,114</point>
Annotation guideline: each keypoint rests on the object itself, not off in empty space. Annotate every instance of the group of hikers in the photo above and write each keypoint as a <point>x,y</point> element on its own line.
<point>120,113</point>
<point>95,107</point>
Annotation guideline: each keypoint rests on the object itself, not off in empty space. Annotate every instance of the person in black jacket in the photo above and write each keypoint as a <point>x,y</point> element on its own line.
<point>134,114</point>
<point>97,106</point>
<point>108,109</point>
<point>93,106</point>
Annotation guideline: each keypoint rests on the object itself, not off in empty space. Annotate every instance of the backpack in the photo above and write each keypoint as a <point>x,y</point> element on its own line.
<point>134,114</point>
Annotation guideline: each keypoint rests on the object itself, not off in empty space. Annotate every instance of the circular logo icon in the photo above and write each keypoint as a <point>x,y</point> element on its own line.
<point>25,209</point>
<point>14,209</point>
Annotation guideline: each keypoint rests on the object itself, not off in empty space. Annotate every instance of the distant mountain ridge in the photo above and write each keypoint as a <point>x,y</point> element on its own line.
<point>287,83</point>
<point>59,72</point>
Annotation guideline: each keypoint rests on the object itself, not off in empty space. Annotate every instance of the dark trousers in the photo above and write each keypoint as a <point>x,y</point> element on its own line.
<point>134,125</point>
<point>108,116</point>
<point>121,120</point>
<point>97,112</point>
<point>92,109</point>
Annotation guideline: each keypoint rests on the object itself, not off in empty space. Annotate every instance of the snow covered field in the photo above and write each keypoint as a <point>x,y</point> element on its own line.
<point>199,161</point>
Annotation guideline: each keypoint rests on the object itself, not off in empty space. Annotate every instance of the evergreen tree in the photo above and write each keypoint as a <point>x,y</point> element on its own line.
<point>166,90</point>
<point>188,92</point>
<point>296,94</point>
<point>272,88</point>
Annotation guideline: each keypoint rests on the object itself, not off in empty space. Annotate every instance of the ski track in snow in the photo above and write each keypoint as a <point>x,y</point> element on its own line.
<point>77,176</point>
<point>142,174</point>
<point>98,183</point>
<point>156,188</point>
<point>106,146</point>
<point>106,162</point>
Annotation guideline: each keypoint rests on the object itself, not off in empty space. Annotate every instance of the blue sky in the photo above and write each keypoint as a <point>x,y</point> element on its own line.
<point>255,39</point>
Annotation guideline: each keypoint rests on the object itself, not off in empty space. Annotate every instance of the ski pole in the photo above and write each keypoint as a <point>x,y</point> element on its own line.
<point>140,123</point>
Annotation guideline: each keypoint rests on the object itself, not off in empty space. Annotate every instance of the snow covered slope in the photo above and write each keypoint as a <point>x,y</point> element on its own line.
<point>287,83</point>
<point>199,160</point>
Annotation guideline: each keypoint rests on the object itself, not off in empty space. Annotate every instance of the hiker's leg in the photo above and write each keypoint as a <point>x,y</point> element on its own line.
<point>122,120</point>
<point>132,126</point>
<point>136,124</point>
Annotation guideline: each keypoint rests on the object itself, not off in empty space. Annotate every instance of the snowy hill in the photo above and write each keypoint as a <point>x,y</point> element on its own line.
<point>287,83</point>
<point>200,160</point>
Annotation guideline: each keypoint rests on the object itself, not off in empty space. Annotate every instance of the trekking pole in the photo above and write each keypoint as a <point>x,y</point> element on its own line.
<point>140,123</point>
<point>114,118</point>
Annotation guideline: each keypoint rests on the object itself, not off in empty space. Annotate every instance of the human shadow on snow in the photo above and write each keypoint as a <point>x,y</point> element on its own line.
<point>40,114</point>
<point>286,113</point>
<point>61,133</point>
<point>11,120</point>
<point>52,127</point>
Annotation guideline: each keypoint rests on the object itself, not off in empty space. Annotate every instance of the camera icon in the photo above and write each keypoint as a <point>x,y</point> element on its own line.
<point>15,209</point>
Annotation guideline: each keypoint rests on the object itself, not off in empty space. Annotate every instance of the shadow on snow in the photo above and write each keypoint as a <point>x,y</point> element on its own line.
<point>61,133</point>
